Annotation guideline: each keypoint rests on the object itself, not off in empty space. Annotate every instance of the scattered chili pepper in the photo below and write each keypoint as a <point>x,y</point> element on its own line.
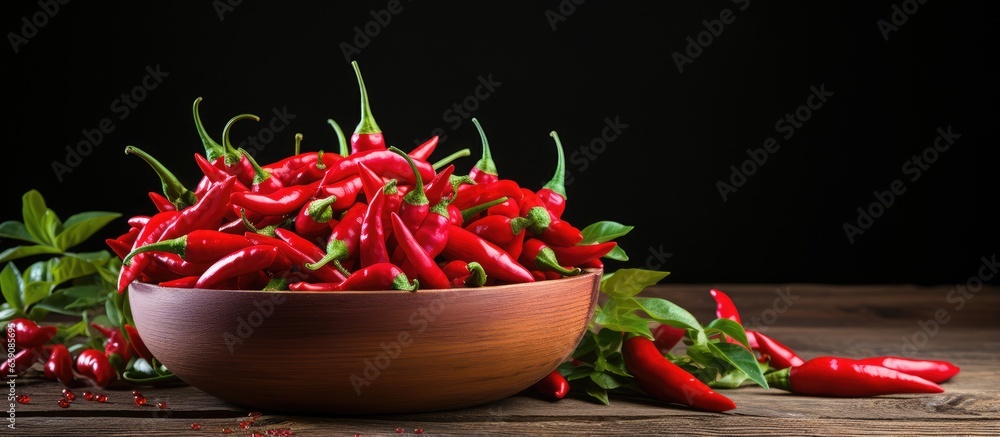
<point>30,335</point>
<point>553,386</point>
<point>726,309</point>
<point>367,135</point>
<point>845,377</point>
<point>668,382</point>
<point>936,371</point>
<point>485,170</point>
<point>553,193</point>
<point>93,364</point>
<point>777,355</point>
<point>59,365</point>
<point>497,263</point>
<point>380,276</point>
<point>116,342</point>
<point>425,268</point>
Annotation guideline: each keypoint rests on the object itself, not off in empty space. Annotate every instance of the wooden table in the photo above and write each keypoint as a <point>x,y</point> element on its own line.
<point>813,319</point>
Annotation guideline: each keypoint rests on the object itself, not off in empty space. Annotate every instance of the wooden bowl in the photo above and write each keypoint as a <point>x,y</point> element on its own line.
<point>365,352</point>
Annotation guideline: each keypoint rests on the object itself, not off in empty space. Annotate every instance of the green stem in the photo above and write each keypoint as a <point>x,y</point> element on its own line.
<point>341,139</point>
<point>448,159</point>
<point>477,275</point>
<point>416,196</point>
<point>173,189</point>
<point>233,155</point>
<point>213,150</point>
<point>320,210</point>
<point>558,182</point>
<point>473,210</point>
<point>485,164</point>
<point>298,143</point>
<point>546,260</point>
<point>779,379</point>
<point>367,125</point>
<point>259,174</point>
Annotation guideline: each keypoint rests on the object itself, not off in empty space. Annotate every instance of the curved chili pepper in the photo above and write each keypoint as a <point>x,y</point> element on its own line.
<point>344,237</point>
<point>182,282</point>
<point>485,170</point>
<point>213,150</point>
<point>239,262</point>
<point>538,255</point>
<point>433,231</point>
<point>313,172</point>
<point>137,343</point>
<point>546,227</point>
<point>666,337</point>
<point>668,382</point>
<point>23,360</point>
<point>234,161</point>
<point>468,195</point>
<point>59,365</point>
<point>579,255</point>
<point>148,234</point>
<point>173,189</point>
<point>30,335</point>
<point>386,163</point>
<point>372,236</point>
<point>424,151</point>
<point>498,229</point>
<point>516,245</point>
<point>726,309</point>
<point>845,377</point>
<point>215,174</point>
<point>346,191</point>
<point>553,193</point>
<point>464,274</point>
<point>507,208</point>
<point>465,245</point>
<point>415,204</point>
<point>197,246</point>
<point>315,217</point>
<point>936,371</point>
<point>440,187</point>
<point>367,135</point>
<point>300,256</point>
<point>380,276</point>
<point>284,200</point>
<point>94,365</point>
<point>160,202</point>
<point>474,212</point>
<point>425,269</point>
<point>370,181</point>
<point>116,343</point>
<point>206,214</point>
<point>777,355</point>
<point>553,386</point>
<point>263,181</point>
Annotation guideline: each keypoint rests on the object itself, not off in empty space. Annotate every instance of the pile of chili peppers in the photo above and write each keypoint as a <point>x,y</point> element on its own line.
<point>371,217</point>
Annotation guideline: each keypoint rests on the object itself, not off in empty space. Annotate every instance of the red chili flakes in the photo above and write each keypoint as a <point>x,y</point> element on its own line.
<point>246,424</point>
<point>195,426</point>
<point>280,432</point>
<point>23,399</point>
<point>227,430</point>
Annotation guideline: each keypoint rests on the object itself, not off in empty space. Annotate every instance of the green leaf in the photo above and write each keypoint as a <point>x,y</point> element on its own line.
<point>8,313</point>
<point>16,230</point>
<point>52,226</point>
<point>12,286</point>
<point>33,208</point>
<point>86,296</point>
<point>79,227</point>
<point>629,323</point>
<point>57,302</point>
<point>114,315</point>
<point>603,231</point>
<point>608,381</point>
<point>617,254</point>
<point>23,251</point>
<point>629,282</point>
<point>68,268</point>
<point>741,358</point>
<point>36,272</point>
<point>142,367</point>
<point>609,340</point>
<point>596,391</point>
<point>36,291</point>
<point>668,313</point>
<point>729,327</point>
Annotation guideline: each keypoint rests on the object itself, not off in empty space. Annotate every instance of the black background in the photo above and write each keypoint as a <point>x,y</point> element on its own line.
<point>604,60</point>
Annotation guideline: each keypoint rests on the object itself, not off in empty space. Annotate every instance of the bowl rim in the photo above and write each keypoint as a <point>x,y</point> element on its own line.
<point>585,272</point>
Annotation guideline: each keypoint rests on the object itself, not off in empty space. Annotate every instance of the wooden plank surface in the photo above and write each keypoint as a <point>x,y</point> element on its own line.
<point>925,322</point>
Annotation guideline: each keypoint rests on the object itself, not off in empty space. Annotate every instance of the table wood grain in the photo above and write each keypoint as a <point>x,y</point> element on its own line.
<point>860,320</point>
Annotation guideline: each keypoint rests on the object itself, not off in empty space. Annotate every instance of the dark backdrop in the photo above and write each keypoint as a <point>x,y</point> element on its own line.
<point>690,88</point>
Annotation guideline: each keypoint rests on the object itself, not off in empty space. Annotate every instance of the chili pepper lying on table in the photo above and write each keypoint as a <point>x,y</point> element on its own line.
<point>30,335</point>
<point>668,382</point>
<point>845,377</point>
<point>937,371</point>
<point>777,355</point>
<point>59,365</point>
<point>553,386</point>
<point>94,365</point>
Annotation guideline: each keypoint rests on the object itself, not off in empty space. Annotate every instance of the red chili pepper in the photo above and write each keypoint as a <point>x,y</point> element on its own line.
<point>777,355</point>
<point>433,231</point>
<point>936,371</point>
<point>425,269</point>
<point>726,309</point>
<point>380,276</point>
<point>23,360</point>
<point>578,255</point>
<point>415,204</point>
<point>182,282</point>
<point>845,377</point>
<point>507,208</point>
<point>346,191</point>
<point>116,342</point>
<point>234,161</point>
<point>666,337</point>
<point>367,136</point>
<point>386,163</point>
<point>137,343</point>
<point>372,236</point>
<point>476,212</point>
<point>214,174</point>
<point>344,237</point>
<point>370,180</point>
<point>176,193</point>
<point>206,214</point>
<point>30,335</point>
<point>59,365</point>
<point>284,200</point>
<point>424,151</point>
<point>93,364</point>
<point>465,245</point>
<point>467,195</point>
<point>553,386</point>
<point>252,281</point>
<point>485,170</point>
<point>546,226</point>
<point>464,274</point>
<point>516,245</point>
<point>553,193</point>
<point>263,182</point>
<point>315,218</point>
<point>668,382</point>
<point>213,150</point>
<point>440,187</point>
<point>198,246</point>
<point>241,261</point>
<point>537,255</point>
<point>160,202</point>
<point>498,229</point>
<point>299,256</point>
<point>148,234</point>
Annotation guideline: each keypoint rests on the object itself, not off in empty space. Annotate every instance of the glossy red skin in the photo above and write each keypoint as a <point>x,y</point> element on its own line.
<point>240,262</point>
<point>59,365</point>
<point>555,202</point>
<point>726,309</point>
<point>845,377</point>
<point>497,263</point>
<point>427,271</point>
<point>137,344</point>
<point>937,371</point>
<point>93,364</point>
<point>778,355</point>
<point>668,382</point>
<point>553,386</point>
<point>30,335</point>
<point>23,359</point>
<point>666,337</point>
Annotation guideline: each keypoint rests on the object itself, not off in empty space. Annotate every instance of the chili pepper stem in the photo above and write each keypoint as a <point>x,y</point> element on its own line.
<point>779,379</point>
<point>416,196</point>
<point>558,182</point>
<point>341,139</point>
<point>175,191</point>
<point>473,210</point>
<point>367,125</point>
<point>298,144</point>
<point>485,163</point>
<point>451,158</point>
<point>477,275</point>
<point>233,156</point>
<point>213,150</point>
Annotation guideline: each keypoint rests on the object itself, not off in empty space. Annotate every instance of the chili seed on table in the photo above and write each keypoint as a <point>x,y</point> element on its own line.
<point>101,398</point>
<point>68,394</point>
<point>23,399</point>
<point>195,426</point>
<point>63,403</point>
<point>88,395</point>
<point>140,400</point>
